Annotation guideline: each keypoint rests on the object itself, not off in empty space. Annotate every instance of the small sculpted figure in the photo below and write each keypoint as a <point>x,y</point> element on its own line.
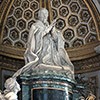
<point>12,88</point>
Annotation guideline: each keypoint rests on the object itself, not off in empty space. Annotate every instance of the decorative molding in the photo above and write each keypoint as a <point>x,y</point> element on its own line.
<point>83,52</point>
<point>10,63</point>
<point>87,65</point>
<point>81,66</point>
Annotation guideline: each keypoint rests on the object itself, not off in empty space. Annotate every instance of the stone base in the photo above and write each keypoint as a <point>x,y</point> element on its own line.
<point>47,83</point>
<point>46,70</point>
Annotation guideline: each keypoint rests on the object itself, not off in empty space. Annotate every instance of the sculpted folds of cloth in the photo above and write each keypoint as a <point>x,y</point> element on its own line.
<point>45,46</point>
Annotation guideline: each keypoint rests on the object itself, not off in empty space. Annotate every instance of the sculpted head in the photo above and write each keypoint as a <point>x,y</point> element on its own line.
<point>43,14</point>
<point>12,85</point>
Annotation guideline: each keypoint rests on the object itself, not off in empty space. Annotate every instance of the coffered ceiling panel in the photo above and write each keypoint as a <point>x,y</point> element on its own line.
<point>76,20</point>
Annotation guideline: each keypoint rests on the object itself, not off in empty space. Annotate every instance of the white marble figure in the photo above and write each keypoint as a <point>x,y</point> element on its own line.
<point>45,46</point>
<point>12,88</point>
<point>45,43</point>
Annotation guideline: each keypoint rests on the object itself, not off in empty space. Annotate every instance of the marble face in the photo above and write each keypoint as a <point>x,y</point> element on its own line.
<point>43,15</point>
<point>12,85</point>
<point>17,88</point>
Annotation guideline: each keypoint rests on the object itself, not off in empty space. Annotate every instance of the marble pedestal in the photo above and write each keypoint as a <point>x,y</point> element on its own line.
<point>47,84</point>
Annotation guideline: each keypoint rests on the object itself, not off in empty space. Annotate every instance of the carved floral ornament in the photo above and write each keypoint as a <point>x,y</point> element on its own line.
<point>75,19</point>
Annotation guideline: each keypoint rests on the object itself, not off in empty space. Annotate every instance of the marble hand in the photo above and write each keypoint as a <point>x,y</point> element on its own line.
<point>50,26</point>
